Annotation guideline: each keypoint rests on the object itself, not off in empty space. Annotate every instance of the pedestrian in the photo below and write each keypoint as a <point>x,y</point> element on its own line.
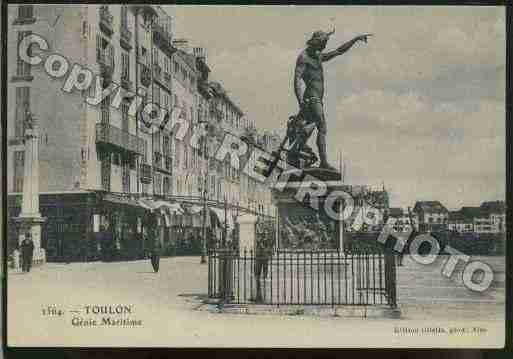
<point>155,256</point>
<point>27,252</point>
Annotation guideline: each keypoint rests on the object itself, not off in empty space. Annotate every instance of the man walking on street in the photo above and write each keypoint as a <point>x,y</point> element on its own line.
<point>27,252</point>
<point>155,255</point>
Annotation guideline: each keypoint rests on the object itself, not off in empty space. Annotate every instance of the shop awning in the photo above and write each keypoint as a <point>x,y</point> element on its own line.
<point>120,200</point>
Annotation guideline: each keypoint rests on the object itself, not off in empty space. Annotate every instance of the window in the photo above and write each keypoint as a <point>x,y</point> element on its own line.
<point>25,12</point>
<point>85,31</point>
<point>158,183</point>
<point>104,50</point>
<point>22,67</point>
<point>144,55</point>
<point>125,175</point>
<point>155,56</point>
<point>166,100</point>
<point>124,117</point>
<point>105,171</point>
<point>166,147</point>
<point>145,152</point>
<point>116,159</point>
<point>22,109</point>
<point>125,66</point>
<point>167,66</point>
<point>176,66</point>
<point>105,110</point>
<point>156,95</point>
<point>124,17</point>
<point>167,185</point>
<point>19,161</point>
<point>185,157</point>
<point>156,141</point>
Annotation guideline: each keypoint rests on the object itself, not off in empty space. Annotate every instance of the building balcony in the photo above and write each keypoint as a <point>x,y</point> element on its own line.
<point>112,137</point>
<point>162,163</point>
<point>125,40</point>
<point>163,39</point>
<point>106,20</point>
<point>145,173</point>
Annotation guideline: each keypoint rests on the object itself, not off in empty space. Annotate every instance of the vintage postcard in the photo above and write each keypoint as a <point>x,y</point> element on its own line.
<point>255,176</point>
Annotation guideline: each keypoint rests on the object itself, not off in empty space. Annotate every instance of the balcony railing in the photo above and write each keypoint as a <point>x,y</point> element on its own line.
<point>125,40</point>
<point>145,173</point>
<point>109,135</point>
<point>106,20</point>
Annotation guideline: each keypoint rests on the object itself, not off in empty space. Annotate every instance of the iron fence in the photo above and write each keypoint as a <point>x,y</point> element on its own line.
<point>302,277</point>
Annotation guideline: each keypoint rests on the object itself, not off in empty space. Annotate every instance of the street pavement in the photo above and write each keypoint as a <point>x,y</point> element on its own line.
<point>165,302</point>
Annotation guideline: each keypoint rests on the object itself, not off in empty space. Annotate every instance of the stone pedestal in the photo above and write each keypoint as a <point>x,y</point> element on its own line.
<point>247,236</point>
<point>308,221</point>
<point>30,220</point>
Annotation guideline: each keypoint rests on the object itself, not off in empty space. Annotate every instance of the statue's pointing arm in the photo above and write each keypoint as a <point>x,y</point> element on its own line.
<point>299,83</point>
<point>343,48</point>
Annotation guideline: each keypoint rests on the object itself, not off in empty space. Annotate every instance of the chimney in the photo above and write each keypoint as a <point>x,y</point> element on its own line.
<point>182,44</point>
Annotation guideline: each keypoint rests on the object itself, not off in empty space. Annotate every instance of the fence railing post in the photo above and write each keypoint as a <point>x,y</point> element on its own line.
<point>339,279</point>
<point>390,278</point>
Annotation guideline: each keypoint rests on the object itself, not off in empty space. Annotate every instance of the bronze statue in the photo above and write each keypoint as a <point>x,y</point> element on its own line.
<point>309,90</point>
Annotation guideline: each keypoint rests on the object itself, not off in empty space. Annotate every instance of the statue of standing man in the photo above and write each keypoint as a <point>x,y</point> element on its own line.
<point>309,88</point>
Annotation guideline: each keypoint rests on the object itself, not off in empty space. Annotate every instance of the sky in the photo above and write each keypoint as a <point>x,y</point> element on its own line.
<point>420,107</point>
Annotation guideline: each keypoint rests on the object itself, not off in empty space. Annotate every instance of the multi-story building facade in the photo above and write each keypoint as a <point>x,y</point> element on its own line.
<point>489,217</point>
<point>94,159</point>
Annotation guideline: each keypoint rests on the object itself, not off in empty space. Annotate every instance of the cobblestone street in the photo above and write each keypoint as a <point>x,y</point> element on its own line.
<point>165,302</point>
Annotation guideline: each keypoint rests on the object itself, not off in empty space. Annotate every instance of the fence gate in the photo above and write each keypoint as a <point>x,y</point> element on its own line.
<point>324,277</point>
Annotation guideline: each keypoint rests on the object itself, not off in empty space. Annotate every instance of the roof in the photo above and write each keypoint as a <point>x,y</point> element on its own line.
<point>429,207</point>
<point>493,207</point>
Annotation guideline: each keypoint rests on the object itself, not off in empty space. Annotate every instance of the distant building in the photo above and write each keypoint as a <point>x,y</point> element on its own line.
<point>495,211</point>
<point>431,215</point>
<point>458,222</point>
<point>490,217</point>
<point>400,220</point>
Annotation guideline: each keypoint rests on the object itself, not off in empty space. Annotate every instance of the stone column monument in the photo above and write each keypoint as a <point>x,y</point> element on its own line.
<point>30,220</point>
